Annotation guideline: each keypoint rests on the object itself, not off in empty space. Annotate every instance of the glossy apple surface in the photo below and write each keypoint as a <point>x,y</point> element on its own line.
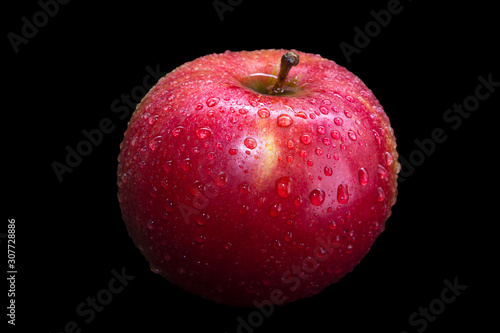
<point>243,196</point>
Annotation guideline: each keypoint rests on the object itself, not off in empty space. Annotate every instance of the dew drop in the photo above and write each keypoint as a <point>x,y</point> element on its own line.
<point>177,131</point>
<point>199,238</point>
<point>284,187</point>
<point>363,176</point>
<point>321,129</point>
<point>275,210</point>
<point>342,194</point>
<point>301,114</point>
<point>169,205</point>
<point>338,121</point>
<point>203,133</point>
<point>221,179</point>
<point>155,142</point>
<point>298,201</point>
<point>306,139</point>
<point>250,143</point>
<point>202,219</point>
<point>186,164</point>
<point>197,188</point>
<point>284,120</point>
<point>332,225</point>
<point>335,134</point>
<point>381,172</point>
<point>377,137</point>
<point>323,110</point>
<point>243,209</point>
<point>233,151</point>
<point>380,194</point>
<point>389,159</point>
<point>317,197</point>
<point>352,135</point>
<point>150,225</point>
<point>319,151</point>
<point>244,188</point>
<point>264,113</point>
<point>212,101</point>
<point>328,171</point>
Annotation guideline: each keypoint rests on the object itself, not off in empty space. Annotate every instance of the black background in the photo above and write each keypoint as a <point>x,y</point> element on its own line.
<point>70,235</point>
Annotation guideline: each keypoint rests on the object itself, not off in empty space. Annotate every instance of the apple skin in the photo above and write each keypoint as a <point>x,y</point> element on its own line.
<point>246,198</point>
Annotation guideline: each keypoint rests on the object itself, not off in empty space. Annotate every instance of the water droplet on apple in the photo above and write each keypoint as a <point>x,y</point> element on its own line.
<point>319,151</point>
<point>288,237</point>
<point>328,171</point>
<point>277,244</point>
<point>381,172</point>
<point>169,205</point>
<point>338,121</point>
<point>342,194</point>
<point>290,144</point>
<point>233,151</point>
<point>377,137</point>
<point>298,201</point>
<point>221,179</point>
<point>389,159</point>
<point>199,238</point>
<point>284,187</point>
<point>321,129</point>
<point>332,225</point>
<point>202,219</point>
<point>244,188</point>
<point>264,113</point>
<point>284,120</point>
<point>275,210</point>
<point>363,176</point>
<point>317,197</point>
<point>250,143</point>
<point>203,133</point>
<point>150,225</point>
<point>352,135</point>
<point>212,101</point>
<point>380,194</point>
<point>323,110</point>
<point>197,188</point>
<point>243,209</point>
<point>186,164</point>
<point>155,142</point>
<point>177,131</point>
<point>306,139</point>
<point>335,134</point>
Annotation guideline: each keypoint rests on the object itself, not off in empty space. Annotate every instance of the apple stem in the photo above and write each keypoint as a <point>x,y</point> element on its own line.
<point>288,60</point>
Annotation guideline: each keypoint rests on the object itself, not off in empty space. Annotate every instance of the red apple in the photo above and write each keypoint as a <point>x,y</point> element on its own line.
<point>251,177</point>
